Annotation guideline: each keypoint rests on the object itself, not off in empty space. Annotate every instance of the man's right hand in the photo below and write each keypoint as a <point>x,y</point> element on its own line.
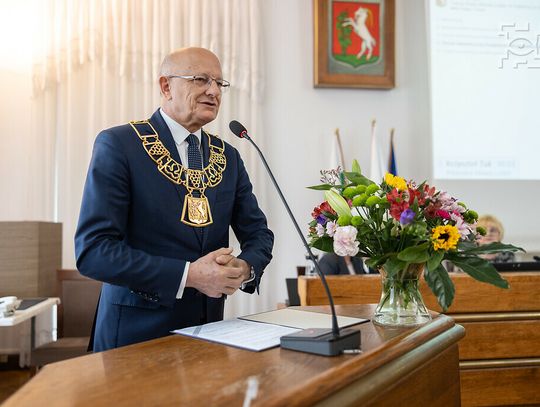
<point>213,279</point>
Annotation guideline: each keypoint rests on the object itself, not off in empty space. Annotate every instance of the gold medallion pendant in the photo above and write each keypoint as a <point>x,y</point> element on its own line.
<point>196,210</point>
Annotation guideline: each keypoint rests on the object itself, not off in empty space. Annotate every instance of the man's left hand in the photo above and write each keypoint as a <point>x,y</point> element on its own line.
<point>231,261</point>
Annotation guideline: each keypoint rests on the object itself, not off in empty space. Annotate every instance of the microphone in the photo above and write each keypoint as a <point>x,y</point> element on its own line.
<point>314,340</point>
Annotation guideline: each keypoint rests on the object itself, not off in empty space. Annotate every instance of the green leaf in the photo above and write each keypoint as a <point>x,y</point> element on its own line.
<point>324,243</point>
<point>465,245</point>
<point>393,265</point>
<point>322,187</point>
<point>356,167</point>
<point>435,260</point>
<point>441,285</point>
<point>479,269</point>
<point>338,203</point>
<point>358,179</point>
<point>415,254</point>
<point>494,247</point>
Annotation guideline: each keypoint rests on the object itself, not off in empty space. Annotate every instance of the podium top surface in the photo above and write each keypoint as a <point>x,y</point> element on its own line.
<point>178,370</point>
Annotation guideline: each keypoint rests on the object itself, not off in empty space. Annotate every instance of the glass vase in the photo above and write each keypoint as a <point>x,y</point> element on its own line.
<point>401,303</point>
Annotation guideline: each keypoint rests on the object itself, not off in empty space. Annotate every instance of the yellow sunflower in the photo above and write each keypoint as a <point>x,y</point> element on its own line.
<point>395,182</point>
<point>445,237</point>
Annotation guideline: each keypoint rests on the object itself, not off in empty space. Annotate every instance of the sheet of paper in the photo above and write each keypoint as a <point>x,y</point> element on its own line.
<point>295,318</point>
<point>240,333</point>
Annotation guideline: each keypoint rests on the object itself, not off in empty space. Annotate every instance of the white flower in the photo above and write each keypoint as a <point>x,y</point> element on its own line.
<point>320,230</point>
<point>345,243</point>
<point>331,228</point>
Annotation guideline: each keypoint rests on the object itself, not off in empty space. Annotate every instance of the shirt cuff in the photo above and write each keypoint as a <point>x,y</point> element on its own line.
<point>180,292</point>
<point>250,279</point>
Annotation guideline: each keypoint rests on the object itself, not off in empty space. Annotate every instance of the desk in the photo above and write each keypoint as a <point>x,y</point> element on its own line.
<point>398,366</point>
<point>27,334</point>
<point>499,357</point>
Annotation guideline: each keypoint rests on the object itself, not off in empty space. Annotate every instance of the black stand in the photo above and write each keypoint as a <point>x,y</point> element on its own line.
<point>319,341</point>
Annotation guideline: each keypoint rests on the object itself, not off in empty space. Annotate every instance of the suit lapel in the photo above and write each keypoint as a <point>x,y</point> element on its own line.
<point>168,141</point>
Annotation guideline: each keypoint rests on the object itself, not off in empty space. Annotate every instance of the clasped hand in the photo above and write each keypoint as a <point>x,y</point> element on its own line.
<point>218,273</point>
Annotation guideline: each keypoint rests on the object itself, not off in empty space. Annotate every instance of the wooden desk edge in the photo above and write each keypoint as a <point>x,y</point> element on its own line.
<point>355,369</point>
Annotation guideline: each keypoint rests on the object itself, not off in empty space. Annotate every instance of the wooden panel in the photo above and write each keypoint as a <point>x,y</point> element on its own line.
<point>365,289</point>
<point>30,254</point>
<point>175,370</point>
<point>50,257</point>
<point>397,384</point>
<point>471,295</point>
<point>494,387</point>
<point>424,386</point>
<point>500,339</point>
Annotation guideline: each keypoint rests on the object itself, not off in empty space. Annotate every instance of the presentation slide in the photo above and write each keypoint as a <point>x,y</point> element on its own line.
<point>485,84</point>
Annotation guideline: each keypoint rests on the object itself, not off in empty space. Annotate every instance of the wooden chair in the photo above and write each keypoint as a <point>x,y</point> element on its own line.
<point>79,296</point>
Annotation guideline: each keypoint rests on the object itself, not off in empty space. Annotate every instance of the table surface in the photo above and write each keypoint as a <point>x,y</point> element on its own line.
<point>179,370</point>
<point>24,315</point>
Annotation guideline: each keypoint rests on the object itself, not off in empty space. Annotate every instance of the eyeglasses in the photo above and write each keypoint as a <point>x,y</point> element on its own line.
<point>204,81</point>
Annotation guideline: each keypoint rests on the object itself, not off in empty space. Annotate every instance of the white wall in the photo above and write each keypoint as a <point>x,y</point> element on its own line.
<point>299,122</point>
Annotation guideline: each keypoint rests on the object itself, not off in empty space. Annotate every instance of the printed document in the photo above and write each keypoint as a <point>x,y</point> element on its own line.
<point>243,334</point>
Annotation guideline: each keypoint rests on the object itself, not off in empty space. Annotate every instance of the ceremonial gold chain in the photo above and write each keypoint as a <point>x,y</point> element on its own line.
<point>196,210</point>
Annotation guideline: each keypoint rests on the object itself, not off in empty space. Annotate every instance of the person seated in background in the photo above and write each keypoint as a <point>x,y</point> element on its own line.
<point>332,264</point>
<point>494,233</point>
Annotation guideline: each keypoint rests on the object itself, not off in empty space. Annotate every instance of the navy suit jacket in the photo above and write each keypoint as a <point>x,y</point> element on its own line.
<point>130,237</point>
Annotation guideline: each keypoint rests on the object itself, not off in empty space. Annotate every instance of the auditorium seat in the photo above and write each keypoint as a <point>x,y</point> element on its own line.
<point>79,296</point>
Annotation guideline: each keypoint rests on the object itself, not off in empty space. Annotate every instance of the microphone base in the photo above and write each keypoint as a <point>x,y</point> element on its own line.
<point>322,341</point>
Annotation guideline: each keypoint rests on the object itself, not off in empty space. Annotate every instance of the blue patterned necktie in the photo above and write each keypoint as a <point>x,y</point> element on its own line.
<point>194,153</point>
<point>194,162</point>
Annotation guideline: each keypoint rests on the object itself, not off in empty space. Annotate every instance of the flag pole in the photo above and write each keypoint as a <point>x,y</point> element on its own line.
<point>392,168</point>
<point>340,147</point>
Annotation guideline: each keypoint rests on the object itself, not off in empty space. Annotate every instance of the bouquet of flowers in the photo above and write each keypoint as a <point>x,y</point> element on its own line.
<point>402,227</point>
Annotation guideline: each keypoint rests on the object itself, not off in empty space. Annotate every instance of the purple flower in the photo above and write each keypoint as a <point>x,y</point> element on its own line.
<point>321,219</point>
<point>407,216</point>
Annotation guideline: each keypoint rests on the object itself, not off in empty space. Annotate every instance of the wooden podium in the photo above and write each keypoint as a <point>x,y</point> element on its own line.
<point>405,367</point>
<point>500,354</point>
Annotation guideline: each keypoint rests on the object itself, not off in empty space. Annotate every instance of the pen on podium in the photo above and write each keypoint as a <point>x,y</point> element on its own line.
<point>251,391</point>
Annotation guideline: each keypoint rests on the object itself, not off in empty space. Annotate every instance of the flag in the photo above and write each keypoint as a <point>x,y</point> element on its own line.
<point>377,168</point>
<point>392,168</point>
<point>337,158</point>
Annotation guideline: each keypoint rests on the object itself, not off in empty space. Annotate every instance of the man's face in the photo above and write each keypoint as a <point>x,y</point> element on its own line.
<point>190,103</point>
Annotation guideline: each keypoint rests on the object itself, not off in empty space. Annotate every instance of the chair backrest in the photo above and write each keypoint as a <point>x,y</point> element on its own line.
<point>79,297</point>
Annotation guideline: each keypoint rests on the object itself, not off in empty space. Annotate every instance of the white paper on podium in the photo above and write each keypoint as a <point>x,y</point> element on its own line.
<point>240,333</point>
<point>302,319</point>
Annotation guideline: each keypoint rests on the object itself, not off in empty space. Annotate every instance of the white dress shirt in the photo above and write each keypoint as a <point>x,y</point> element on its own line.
<point>180,135</point>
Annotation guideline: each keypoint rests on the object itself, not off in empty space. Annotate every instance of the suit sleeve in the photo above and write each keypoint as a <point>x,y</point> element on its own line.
<point>329,264</point>
<point>250,227</point>
<point>100,248</point>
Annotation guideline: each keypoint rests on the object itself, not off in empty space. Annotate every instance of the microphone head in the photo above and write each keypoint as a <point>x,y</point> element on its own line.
<point>238,129</point>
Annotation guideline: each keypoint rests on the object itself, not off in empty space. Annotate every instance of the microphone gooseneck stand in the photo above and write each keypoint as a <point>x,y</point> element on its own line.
<point>314,340</point>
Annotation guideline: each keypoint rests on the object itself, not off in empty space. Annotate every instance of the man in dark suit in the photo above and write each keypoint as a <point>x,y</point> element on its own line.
<point>332,264</point>
<point>158,202</point>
